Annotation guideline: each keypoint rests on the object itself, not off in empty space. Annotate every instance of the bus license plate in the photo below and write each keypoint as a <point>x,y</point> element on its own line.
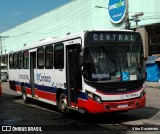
<point>123,106</point>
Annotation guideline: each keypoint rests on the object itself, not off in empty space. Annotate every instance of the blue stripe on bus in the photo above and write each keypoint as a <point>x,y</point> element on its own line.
<point>83,96</point>
<point>50,89</point>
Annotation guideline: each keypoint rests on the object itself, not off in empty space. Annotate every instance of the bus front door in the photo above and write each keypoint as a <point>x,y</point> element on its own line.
<point>72,53</point>
<point>32,67</point>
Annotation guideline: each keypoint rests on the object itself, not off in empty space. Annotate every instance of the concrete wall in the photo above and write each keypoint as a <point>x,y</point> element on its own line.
<point>76,16</point>
<point>144,36</point>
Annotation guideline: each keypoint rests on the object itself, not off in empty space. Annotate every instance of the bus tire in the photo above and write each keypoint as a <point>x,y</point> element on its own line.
<point>24,96</point>
<point>62,104</point>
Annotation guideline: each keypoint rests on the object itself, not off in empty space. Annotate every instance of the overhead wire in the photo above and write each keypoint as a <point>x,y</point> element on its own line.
<point>51,20</point>
<point>64,15</point>
<point>58,16</point>
<point>70,19</point>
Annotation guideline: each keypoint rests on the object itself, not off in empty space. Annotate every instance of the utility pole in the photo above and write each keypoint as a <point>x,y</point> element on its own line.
<point>127,23</point>
<point>1,38</point>
<point>136,17</point>
<point>5,57</point>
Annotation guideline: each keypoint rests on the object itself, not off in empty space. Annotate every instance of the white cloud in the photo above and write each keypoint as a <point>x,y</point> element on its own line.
<point>17,13</point>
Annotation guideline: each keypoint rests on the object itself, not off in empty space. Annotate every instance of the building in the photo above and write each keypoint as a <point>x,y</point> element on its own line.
<point>81,15</point>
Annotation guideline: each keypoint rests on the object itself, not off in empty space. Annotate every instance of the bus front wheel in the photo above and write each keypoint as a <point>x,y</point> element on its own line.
<point>62,104</point>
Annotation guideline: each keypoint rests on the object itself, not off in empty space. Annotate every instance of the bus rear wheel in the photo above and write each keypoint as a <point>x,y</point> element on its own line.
<point>62,104</point>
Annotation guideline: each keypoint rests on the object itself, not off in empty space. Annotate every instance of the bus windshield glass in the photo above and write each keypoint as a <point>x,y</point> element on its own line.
<point>113,64</point>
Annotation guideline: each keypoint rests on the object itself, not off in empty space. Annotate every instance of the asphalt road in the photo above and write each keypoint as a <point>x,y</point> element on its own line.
<point>14,112</point>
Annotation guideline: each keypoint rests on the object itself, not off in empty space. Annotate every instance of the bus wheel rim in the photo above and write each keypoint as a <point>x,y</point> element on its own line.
<point>24,96</point>
<point>64,105</point>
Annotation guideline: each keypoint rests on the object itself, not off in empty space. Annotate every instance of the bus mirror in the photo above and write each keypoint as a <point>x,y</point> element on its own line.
<point>81,53</point>
<point>81,68</point>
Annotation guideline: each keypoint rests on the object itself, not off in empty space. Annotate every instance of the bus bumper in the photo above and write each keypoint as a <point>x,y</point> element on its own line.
<point>92,106</point>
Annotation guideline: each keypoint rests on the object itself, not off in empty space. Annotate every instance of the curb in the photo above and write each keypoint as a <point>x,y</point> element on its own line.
<point>153,84</point>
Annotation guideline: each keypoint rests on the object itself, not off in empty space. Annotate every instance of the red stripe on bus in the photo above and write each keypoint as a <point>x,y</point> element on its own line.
<point>46,95</point>
<point>28,90</point>
<point>18,88</point>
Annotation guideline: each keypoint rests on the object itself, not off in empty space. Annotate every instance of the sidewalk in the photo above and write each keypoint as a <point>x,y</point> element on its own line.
<point>153,84</point>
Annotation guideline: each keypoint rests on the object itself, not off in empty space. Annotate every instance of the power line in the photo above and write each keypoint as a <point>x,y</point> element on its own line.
<point>64,15</point>
<point>51,20</point>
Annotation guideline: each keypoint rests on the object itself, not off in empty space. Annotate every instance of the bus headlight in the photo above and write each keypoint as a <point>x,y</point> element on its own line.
<point>94,97</point>
<point>143,93</point>
<point>97,98</point>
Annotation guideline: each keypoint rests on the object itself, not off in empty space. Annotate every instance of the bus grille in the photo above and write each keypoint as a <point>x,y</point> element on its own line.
<point>118,87</point>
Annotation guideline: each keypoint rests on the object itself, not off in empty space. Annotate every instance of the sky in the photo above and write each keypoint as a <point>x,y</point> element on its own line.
<point>15,12</point>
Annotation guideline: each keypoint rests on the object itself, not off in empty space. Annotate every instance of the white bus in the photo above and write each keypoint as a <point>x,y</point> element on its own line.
<point>4,72</point>
<point>91,71</point>
<point>4,69</point>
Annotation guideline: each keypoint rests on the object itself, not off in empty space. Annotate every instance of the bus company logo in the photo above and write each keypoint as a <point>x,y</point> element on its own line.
<point>117,10</point>
<point>122,89</point>
<point>23,76</point>
<point>43,78</point>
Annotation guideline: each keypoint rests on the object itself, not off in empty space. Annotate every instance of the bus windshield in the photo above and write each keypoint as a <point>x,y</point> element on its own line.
<point>113,64</point>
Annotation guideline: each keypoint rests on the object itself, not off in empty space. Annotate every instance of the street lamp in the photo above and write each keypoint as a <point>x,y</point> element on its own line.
<point>101,7</point>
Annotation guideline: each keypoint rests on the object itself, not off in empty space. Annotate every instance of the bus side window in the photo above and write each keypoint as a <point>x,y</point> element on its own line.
<point>49,57</point>
<point>59,56</point>
<point>26,59</point>
<point>15,60</point>
<point>10,61</point>
<point>20,60</point>
<point>40,58</point>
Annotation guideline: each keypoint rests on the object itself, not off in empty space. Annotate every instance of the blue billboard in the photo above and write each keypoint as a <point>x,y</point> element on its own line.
<point>117,10</point>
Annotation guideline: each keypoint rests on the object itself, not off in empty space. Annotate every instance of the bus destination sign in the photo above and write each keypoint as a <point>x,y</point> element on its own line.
<point>112,37</point>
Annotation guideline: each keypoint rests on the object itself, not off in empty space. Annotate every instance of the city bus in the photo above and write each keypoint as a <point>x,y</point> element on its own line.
<point>90,72</point>
<point>3,76</point>
<point>4,72</point>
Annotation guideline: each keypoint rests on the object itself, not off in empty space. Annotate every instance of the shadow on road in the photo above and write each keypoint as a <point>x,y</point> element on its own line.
<point>107,118</point>
<point>72,121</point>
<point>137,114</point>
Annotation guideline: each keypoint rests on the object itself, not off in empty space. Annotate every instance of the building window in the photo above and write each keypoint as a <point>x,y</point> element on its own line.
<point>59,56</point>
<point>40,58</point>
<point>15,60</point>
<point>10,61</point>
<point>26,59</point>
<point>20,60</point>
<point>49,57</point>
